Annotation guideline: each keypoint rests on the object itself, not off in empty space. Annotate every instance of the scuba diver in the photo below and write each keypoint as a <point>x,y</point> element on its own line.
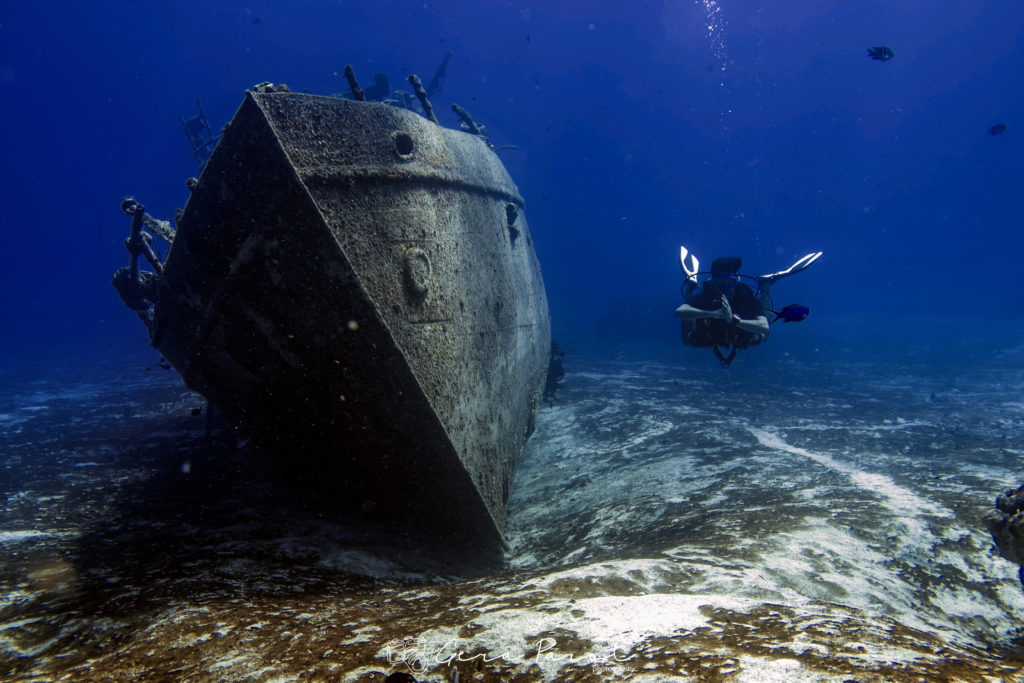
<point>381,90</point>
<point>726,313</point>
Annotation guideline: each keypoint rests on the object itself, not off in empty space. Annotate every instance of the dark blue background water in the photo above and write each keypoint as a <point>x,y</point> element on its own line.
<point>768,135</point>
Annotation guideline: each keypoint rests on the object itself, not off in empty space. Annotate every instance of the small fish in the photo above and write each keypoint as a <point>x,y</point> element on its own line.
<point>792,313</point>
<point>997,129</point>
<point>882,53</point>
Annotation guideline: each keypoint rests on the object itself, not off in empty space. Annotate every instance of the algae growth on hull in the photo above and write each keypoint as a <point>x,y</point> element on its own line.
<point>661,525</point>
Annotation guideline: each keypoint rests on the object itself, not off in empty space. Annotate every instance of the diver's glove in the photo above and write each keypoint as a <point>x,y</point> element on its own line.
<point>725,312</point>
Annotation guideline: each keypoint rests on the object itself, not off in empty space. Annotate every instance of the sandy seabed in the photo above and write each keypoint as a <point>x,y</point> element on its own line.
<point>666,524</point>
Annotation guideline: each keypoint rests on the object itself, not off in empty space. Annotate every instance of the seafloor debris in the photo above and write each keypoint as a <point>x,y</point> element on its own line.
<point>1007,526</point>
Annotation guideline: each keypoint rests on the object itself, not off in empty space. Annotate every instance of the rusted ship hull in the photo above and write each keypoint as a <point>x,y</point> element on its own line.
<point>357,287</point>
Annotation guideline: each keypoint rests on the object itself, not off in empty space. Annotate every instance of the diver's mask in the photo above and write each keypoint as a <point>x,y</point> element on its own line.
<point>724,282</point>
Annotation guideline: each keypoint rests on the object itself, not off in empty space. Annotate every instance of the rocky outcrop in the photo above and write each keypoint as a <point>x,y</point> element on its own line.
<point>1007,526</point>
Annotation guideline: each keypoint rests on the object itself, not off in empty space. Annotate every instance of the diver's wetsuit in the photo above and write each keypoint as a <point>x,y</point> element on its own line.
<point>714,332</point>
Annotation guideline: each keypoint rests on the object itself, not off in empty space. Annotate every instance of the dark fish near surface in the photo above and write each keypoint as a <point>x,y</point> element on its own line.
<point>997,129</point>
<point>792,313</point>
<point>882,53</point>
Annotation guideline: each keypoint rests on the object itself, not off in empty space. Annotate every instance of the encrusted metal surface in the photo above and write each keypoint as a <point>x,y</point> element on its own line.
<point>347,285</point>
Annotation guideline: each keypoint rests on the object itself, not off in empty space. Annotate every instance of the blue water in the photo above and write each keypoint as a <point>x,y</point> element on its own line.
<point>759,129</point>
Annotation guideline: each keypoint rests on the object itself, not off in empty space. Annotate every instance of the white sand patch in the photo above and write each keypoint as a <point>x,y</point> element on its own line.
<point>654,430</point>
<point>28,535</point>
<point>912,562</point>
<point>612,625</point>
<point>764,670</point>
<point>10,646</point>
<point>902,502</point>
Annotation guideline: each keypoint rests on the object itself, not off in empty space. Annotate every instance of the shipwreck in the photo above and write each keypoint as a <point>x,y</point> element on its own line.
<point>356,287</point>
